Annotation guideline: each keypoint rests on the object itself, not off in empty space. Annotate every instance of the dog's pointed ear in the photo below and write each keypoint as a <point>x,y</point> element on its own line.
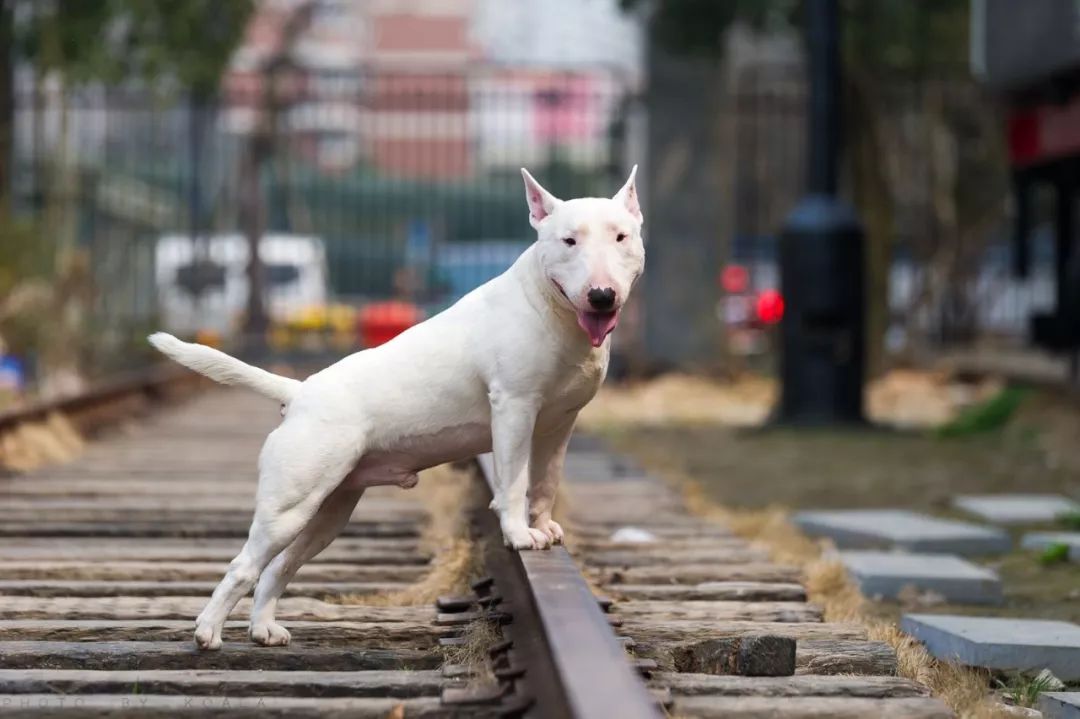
<point>541,202</point>
<point>629,197</point>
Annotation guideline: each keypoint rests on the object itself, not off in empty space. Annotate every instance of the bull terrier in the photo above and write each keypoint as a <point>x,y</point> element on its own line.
<point>504,370</point>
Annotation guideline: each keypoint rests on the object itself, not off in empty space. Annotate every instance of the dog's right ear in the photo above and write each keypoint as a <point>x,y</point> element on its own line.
<point>541,202</point>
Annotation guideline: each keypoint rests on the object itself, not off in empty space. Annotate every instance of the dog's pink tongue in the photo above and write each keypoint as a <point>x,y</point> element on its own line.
<point>598,325</point>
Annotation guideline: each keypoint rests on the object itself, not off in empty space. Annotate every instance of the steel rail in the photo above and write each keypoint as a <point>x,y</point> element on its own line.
<point>151,383</point>
<point>575,667</point>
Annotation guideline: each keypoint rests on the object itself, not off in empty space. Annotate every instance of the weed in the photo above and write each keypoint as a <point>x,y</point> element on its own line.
<point>1070,520</point>
<point>993,414</point>
<point>1056,553</point>
<point>1024,690</point>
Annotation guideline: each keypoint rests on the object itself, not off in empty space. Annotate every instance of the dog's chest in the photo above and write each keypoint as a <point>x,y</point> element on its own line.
<point>573,389</point>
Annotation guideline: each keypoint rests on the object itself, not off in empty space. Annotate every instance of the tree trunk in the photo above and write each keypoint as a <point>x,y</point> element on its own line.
<point>867,158</point>
<point>252,220</point>
<point>261,149</point>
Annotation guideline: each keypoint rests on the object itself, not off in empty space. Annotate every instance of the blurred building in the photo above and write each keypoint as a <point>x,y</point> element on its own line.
<point>393,135</point>
<point>1030,57</point>
<point>441,89</point>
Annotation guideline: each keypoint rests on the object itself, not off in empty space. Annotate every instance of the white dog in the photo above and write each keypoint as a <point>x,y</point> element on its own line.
<point>506,369</point>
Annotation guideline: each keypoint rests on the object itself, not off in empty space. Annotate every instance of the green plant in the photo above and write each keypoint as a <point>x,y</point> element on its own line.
<point>993,414</point>
<point>1070,520</point>
<point>1056,553</point>
<point>1024,690</point>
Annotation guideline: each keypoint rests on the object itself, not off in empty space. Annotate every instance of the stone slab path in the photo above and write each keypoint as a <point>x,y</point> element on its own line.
<point>901,529</point>
<point>1016,508</point>
<point>887,574</point>
<point>1039,541</point>
<point>1000,643</point>
<point>1060,705</point>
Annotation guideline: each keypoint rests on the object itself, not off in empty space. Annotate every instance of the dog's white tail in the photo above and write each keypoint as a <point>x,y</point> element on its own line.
<point>220,367</point>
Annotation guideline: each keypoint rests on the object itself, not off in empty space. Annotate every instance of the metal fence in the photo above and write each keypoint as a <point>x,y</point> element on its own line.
<point>389,186</point>
<point>407,187</point>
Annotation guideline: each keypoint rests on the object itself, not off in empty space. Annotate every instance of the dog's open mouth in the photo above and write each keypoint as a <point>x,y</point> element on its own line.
<point>598,325</point>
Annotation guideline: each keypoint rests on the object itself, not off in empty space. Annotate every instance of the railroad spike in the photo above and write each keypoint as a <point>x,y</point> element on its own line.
<point>515,707</point>
<point>500,647</point>
<point>483,695</point>
<point>482,586</point>
<point>510,673</point>
<point>453,605</point>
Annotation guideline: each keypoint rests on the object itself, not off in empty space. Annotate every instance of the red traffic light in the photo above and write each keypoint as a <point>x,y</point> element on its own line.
<point>770,307</point>
<point>734,279</point>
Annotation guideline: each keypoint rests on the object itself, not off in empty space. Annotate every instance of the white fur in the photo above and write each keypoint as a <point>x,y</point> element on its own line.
<point>222,368</point>
<point>506,369</point>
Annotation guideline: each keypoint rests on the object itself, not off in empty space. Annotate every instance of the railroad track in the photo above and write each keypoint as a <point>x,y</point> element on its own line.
<point>105,561</point>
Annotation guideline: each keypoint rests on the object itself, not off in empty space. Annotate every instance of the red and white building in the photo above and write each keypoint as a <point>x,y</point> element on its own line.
<point>417,88</point>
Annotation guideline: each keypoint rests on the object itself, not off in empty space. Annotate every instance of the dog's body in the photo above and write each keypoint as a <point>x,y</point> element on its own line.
<point>505,369</point>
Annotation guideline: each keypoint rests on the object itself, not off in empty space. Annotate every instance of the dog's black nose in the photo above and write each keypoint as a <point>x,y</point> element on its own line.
<point>602,299</point>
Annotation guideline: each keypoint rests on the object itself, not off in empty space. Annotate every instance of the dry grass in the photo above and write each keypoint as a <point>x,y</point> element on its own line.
<point>479,636</point>
<point>901,398</point>
<point>448,495</point>
<point>965,690</point>
<point>683,398</point>
<point>31,445</point>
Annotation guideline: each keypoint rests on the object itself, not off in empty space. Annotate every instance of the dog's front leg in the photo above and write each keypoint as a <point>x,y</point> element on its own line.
<point>546,470</point>
<point>512,421</point>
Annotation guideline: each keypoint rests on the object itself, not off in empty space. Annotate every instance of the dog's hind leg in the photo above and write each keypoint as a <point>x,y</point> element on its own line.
<point>299,469</point>
<point>323,528</point>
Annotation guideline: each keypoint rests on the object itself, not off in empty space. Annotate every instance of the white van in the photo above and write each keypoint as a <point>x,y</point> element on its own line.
<point>204,287</point>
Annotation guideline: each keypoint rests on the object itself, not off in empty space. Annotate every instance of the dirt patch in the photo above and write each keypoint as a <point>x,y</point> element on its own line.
<point>845,469</point>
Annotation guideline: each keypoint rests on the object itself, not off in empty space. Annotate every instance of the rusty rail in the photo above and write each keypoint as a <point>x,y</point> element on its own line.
<point>151,384</point>
<point>567,661</point>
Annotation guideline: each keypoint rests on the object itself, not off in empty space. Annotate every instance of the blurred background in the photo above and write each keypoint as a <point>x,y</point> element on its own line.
<point>369,150</point>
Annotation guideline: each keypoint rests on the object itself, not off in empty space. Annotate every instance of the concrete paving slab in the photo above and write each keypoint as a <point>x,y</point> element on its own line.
<point>1005,643</point>
<point>1016,508</point>
<point>1041,540</point>
<point>900,529</point>
<point>1060,705</point>
<point>886,574</point>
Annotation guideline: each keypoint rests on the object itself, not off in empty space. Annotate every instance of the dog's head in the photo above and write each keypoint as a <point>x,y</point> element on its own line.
<point>590,251</point>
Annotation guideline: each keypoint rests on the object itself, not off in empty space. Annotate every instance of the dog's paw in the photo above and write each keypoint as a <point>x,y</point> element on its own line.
<point>551,529</point>
<point>207,637</point>
<point>269,634</point>
<point>521,536</point>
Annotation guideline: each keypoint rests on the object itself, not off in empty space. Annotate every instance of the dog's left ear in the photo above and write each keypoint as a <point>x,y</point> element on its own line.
<point>629,197</point>
<point>541,202</point>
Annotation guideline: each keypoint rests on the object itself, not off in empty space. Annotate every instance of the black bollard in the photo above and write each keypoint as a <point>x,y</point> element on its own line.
<point>822,270</point>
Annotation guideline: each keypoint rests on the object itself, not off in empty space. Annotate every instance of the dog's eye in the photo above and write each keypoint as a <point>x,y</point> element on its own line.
<point>569,241</point>
<point>621,236</point>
